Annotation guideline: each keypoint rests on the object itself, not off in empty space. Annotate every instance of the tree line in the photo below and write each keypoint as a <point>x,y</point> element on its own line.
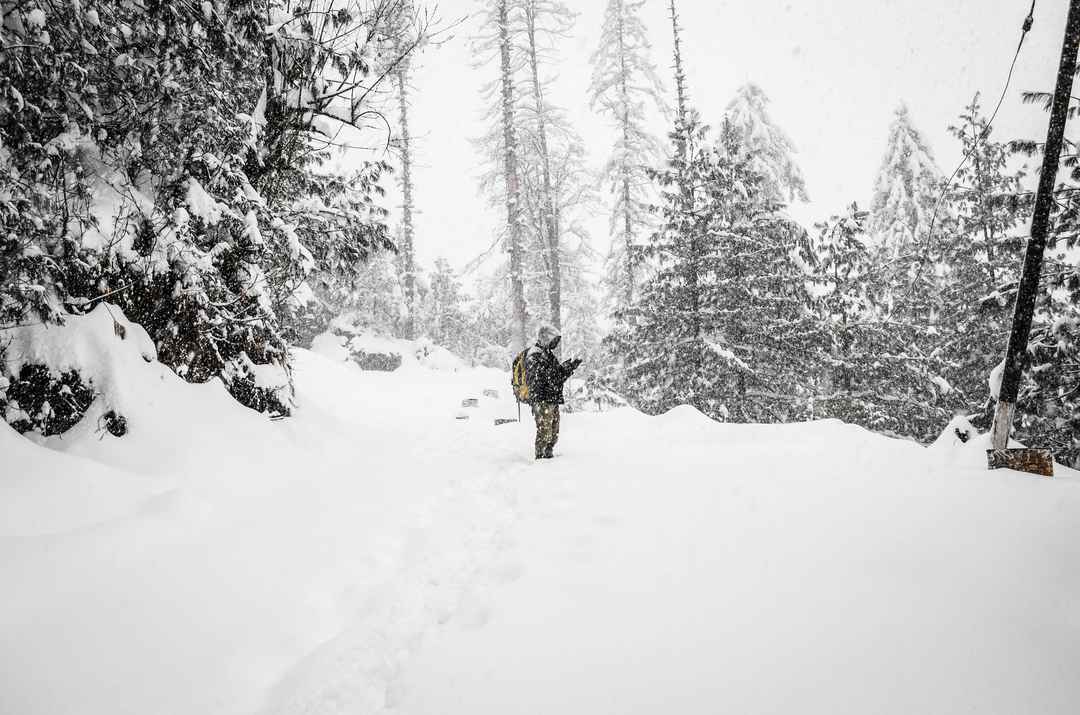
<point>182,160</point>
<point>894,318</point>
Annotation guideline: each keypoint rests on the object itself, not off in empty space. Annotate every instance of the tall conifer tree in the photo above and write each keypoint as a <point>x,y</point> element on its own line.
<point>625,87</point>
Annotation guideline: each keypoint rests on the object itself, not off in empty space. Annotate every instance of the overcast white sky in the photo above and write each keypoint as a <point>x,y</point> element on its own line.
<point>834,69</point>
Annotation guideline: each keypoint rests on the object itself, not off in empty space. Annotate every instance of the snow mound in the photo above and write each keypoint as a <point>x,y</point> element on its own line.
<point>102,347</point>
<point>685,416</point>
<point>375,352</point>
<point>375,553</point>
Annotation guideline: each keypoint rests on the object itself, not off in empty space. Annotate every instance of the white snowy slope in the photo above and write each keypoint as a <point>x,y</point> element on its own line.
<point>375,554</point>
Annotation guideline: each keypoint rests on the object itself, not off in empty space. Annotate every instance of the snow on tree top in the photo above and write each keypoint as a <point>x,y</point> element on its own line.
<point>747,119</point>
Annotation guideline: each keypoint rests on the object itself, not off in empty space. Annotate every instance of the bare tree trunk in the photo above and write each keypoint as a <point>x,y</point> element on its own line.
<point>628,225</point>
<point>408,256</point>
<point>680,76</point>
<point>680,110</point>
<point>513,197</point>
<point>550,226</point>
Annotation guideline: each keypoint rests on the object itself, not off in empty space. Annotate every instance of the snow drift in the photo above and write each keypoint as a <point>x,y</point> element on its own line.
<point>378,552</point>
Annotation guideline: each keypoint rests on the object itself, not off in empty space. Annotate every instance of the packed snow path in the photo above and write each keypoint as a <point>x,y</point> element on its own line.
<point>375,554</point>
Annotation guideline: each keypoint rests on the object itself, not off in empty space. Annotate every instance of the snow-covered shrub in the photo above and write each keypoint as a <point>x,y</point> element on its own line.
<point>40,400</point>
<point>366,349</point>
<point>53,376</point>
<point>436,357</point>
<point>595,394</point>
<point>195,195</point>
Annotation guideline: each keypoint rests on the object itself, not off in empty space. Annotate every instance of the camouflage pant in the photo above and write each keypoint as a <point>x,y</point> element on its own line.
<point>546,415</point>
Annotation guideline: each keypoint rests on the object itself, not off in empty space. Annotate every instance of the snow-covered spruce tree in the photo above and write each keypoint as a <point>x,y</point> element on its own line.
<point>725,324</point>
<point>190,193</point>
<point>625,88</point>
<point>845,301</point>
<point>906,189</point>
<point>766,145</point>
<point>908,278</point>
<point>902,216</point>
<point>376,302</point>
<point>444,309</point>
<point>872,375</point>
<point>982,254</point>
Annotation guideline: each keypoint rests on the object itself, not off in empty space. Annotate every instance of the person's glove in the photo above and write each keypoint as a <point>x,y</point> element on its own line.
<point>572,365</point>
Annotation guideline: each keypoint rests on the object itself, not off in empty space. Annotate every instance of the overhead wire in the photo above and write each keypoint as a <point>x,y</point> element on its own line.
<point>1025,28</point>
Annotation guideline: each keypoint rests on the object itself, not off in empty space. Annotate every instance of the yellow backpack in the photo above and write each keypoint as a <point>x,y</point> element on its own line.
<point>519,381</point>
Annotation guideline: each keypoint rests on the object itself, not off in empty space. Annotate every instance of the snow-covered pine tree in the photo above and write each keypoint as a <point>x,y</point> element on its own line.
<point>864,380</point>
<point>982,254</point>
<point>874,375</point>
<point>546,21</point>
<point>907,223</point>
<point>553,187</point>
<point>906,189</point>
<point>766,145</point>
<point>377,300</point>
<point>444,310</point>
<point>580,265</point>
<point>191,194</point>
<point>625,88</point>
<point>725,324</point>
<point>574,200</point>
<point>113,160</point>
<point>846,306</point>
<point>498,45</point>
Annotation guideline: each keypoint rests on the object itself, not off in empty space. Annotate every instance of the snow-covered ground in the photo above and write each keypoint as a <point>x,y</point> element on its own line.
<point>374,553</point>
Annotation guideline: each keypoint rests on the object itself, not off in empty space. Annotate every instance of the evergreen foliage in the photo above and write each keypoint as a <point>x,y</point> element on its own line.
<point>880,371</point>
<point>444,309</point>
<point>626,88</point>
<point>725,324</point>
<point>767,147</point>
<point>195,193</point>
<point>906,189</point>
<point>982,257</point>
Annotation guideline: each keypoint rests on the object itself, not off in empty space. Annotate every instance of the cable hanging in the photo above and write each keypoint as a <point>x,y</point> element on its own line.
<point>1028,22</point>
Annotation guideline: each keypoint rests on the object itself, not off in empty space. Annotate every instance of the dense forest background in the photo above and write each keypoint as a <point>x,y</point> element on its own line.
<point>218,172</point>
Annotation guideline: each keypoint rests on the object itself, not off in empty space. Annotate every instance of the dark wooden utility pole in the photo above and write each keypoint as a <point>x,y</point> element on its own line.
<point>1015,355</point>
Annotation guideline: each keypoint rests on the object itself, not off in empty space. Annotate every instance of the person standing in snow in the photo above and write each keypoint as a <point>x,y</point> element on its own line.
<point>546,376</point>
